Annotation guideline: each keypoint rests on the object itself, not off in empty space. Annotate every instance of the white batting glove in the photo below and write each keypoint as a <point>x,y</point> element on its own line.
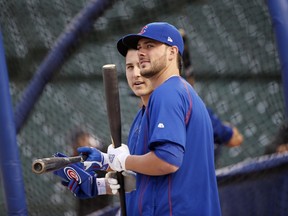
<point>117,157</point>
<point>129,181</point>
<point>111,178</point>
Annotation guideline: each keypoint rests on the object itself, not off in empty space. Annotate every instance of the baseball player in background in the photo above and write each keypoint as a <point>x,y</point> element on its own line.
<point>225,134</point>
<point>173,152</point>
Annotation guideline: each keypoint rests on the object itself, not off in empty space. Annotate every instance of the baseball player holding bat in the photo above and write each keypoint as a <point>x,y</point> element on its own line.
<point>171,147</point>
<point>81,178</point>
<point>171,139</point>
<point>175,172</point>
<point>98,160</point>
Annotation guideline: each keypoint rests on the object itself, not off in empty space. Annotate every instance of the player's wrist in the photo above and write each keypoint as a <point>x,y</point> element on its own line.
<point>122,159</point>
<point>105,161</point>
<point>101,186</point>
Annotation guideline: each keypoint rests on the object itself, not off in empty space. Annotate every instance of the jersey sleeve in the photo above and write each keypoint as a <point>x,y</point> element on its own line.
<point>170,153</point>
<point>222,133</point>
<point>166,119</point>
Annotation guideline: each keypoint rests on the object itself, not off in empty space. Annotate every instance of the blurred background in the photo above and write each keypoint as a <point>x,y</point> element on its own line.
<point>234,59</point>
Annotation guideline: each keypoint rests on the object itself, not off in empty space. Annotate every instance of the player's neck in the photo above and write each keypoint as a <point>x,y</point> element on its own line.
<point>164,75</point>
<point>145,99</point>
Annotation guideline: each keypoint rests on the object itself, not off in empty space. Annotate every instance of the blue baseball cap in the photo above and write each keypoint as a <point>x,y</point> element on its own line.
<point>159,31</point>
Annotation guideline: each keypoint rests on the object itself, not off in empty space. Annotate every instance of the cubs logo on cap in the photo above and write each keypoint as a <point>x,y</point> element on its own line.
<point>143,30</point>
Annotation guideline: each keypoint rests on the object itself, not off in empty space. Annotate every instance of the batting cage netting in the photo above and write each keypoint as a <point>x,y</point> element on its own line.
<point>55,51</point>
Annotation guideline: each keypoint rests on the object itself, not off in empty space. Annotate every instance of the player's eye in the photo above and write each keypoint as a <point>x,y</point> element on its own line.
<point>129,67</point>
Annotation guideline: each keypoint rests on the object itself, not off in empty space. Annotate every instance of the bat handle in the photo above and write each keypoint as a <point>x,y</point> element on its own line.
<point>121,191</point>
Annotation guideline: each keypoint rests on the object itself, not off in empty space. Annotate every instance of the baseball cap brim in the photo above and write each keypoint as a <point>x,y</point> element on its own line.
<point>122,48</point>
<point>131,40</point>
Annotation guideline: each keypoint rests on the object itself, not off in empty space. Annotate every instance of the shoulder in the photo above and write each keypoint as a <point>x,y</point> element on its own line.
<point>174,92</point>
<point>174,86</point>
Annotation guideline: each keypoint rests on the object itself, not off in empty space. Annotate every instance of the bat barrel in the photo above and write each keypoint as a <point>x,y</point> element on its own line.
<point>38,166</point>
<point>43,165</point>
<point>110,79</point>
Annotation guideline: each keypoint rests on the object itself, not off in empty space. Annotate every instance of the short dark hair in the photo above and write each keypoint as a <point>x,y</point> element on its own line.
<point>180,62</point>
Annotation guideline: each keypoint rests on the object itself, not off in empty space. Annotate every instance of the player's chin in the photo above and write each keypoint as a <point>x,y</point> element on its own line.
<point>140,91</point>
<point>145,67</point>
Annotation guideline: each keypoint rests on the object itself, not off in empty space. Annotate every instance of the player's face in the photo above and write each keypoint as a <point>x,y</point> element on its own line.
<point>152,57</point>
<point>88,140</point>
<point>140,86</point>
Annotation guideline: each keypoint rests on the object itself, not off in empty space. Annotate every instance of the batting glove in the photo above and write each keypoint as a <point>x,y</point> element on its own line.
<point>96,159</point>
<point>129,181</point>
<point>81,183</point>
<point>88,189</point>
<point>73,186</point>
<point>117,157</point>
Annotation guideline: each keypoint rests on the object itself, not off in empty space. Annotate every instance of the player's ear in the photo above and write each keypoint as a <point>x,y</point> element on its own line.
<point>173,51</point>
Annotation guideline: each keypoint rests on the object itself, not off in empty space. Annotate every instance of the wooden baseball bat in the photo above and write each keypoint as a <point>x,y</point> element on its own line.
<point>110,79</point>
<point>49,164</point>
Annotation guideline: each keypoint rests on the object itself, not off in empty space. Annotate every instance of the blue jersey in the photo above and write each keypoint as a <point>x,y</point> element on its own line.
<point>177,127</point>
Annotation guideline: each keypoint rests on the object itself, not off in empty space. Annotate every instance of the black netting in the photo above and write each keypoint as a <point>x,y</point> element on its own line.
<point>233,54</point>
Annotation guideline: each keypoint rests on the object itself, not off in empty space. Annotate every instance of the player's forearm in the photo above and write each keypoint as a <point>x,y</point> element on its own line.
<point>149,164</point>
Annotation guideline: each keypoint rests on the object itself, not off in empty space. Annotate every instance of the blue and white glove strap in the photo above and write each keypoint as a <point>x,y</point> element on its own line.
<point>101,186</point>
<point>97,165</point>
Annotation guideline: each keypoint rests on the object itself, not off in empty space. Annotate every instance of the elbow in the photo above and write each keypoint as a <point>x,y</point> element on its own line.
<point>173,168</point>
<point>167,169</point>
<point>163,167</point>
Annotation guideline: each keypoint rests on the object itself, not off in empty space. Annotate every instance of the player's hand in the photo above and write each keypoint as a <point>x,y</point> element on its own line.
<point>73,186</point>
<point>96,160</point>
<point>129,181</point>
<point>87,189</point>
<point>117,157</point>
<point>81,183</point>
<point>236,139</point>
